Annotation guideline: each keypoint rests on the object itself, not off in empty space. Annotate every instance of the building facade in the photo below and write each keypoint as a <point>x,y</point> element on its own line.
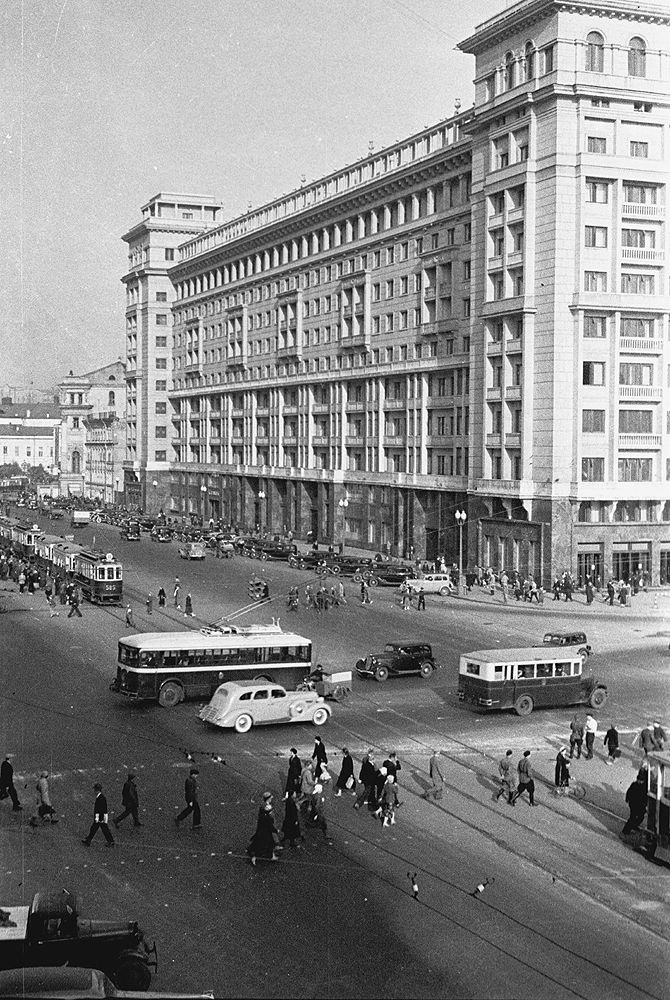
<point>167,221</point>
<point>93,432</point>
<point>475,320</point>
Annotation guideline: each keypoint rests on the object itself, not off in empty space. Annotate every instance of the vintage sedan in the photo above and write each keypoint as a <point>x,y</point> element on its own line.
<point>239,705</point>
<point>192,550</point>
<point>397,659</point>
<point>432,583</point>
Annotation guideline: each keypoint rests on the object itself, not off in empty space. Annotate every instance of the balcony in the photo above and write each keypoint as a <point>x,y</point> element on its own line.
<point>347,311</point>
<point>237,438</point>
<point>512,440</point>
<point>261,411</point>
<point>641,211</point>
<point>194,441</point>
<point>289,351</point>
<point>494,393</point>
<point>493,441</point>
<point>355,440</point>
<point>319,440</point>
<point>640,442</point>
<point>515,214</point>
<point>515,258</point>
<point>500,487</point>
<point>494,348</point>
<point>395,404</point>
<point>444,289</point>
<point>642,345</point>
<point>513,346</point>
<point>495,221</point>
<point>513,392</point>
<point>290,409</point>
<point>395,440</point>
<point>290,441</point>
<point>215,414</point>
<point>237,411</point>
<point>640,392</point>
<point>321,408</point>
<point>443,325</point>
<point>357,341</point>
<point>494,263</point>
<point>640,255</point>
<point>429,293</point>
<point>215,439</point>
<point>355,406</point>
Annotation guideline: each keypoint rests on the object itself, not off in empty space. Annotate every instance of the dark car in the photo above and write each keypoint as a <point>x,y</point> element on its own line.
<point>147,523</point>
<point>397,659</point>
<point>160,533</point>
<point>51,932</point>
<point>391,574</point>
<point>68,983</point>
<point>569,639</point>
<point>131,531</point>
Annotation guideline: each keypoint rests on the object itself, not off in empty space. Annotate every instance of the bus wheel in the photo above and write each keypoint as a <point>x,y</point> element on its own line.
<point>243,723</point>
<point>523,705</point>
<point>320,716</point>
<point>170,695</point>
<point>598,698</point>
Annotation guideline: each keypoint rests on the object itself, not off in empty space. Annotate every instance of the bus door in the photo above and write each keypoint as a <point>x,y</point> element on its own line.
<point>565,685</point>
<point>504,673</point>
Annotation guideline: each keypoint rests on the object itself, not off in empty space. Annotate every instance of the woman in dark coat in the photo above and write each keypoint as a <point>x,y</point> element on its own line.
<point>562,771</point>
<point>291,826</point>
<point>346,779</point>
<point>263,842</point>
<point>294,772</point>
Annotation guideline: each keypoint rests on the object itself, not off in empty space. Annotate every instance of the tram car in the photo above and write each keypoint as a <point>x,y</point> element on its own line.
<point>99,574</point>
<point>658,806</point>
<point>19,537</point>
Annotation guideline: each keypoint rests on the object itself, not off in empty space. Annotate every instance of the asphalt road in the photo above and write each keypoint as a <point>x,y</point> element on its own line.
<point>569,910</point>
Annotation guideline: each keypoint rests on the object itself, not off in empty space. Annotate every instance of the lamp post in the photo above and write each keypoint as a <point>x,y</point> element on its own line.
<point>343,504</point>
<point>261,516</point>
<point>203,503</point>
<point>461,518</point>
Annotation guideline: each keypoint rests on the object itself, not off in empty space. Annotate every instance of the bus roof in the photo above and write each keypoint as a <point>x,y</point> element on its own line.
<point>195,640</point>
<point>534,654</point>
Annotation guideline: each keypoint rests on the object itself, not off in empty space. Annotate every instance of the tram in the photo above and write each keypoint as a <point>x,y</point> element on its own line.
<point>658,806</point>
<point>18,536</point>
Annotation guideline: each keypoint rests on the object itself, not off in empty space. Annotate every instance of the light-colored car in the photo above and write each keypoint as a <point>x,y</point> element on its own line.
<point>239,705</point>
<point>432,583</point>
<point>192,550</point>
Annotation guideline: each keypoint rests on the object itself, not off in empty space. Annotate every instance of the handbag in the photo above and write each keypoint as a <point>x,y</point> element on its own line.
<point>350,782</point>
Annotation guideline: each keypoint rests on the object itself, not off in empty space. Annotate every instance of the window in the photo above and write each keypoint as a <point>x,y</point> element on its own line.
<point>637,57</point>
<point>595,236</point>
<point>593,470</point>
<point>161,431</point>
<point>161,319</point>
<point>594,52</point>
<point>389,289</point>
<point>161,341</point>
<point>376,292</point>
<point>600,102</point>
<point>160,408</point>
<point>642,238</point>
<point>596,144</point>
<point>160,456</point>
<point>467,232</point>
<point>161,362</point>
<point>634,470</point>
<point>593,421</point>
<point>595,325</point>
<point>161,296</point>
<point>642,106</point>
<point>640,150</point>
<point>169,253</point>
<point>529,53</point>
<point>593,373</point>
<point>161,386</point>
<point>639,194</point>
<point>595,281</point>
<point>637,284</point>
<point>636,422</point>
<point>111,399</point>
<point>632,373</point>
<point>637,326</point>
<point>548,59</point>
<point>467,270</point>
<point>509,71</point>
<point>75,423</point>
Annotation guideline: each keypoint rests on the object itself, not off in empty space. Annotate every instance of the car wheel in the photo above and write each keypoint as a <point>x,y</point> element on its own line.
<point>320,716</point>
<point>443,591</point>
<point>598,698</point>
<point>426,669</point>
<point>132,974</point>
<point>293,562</point>
<point>263,556</point>
<point>359,579</point>
<point>243,723</point>
<point>335,570</point>
<point>170,695</point>
<point>372,581</point>
<point>524,705</point>
<point>381,673</point>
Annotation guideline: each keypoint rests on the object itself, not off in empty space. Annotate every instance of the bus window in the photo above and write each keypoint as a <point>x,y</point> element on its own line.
<point>525,670</point>
<point>544,669</point>
<point>275,654</point>
<point>472,668</point>
<point>562,670</point>
<point>278,693</point>
<point>258,695</point>
<point>498,672</point>
<point>118,572</point>
<point>127,655</point>
<point>148,659</point>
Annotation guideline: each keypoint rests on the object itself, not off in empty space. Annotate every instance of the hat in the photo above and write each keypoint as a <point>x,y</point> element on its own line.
<point>562,749</point>
<point>526,753</point>
<point>97,787</point>
<point>194,770</point>
<point>131,775</point>
<point>293,750</point>
<point>267,795</point>
<point>45,774</point>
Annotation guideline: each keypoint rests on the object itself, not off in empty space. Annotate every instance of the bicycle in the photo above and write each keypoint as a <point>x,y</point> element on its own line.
<point>575,789</point>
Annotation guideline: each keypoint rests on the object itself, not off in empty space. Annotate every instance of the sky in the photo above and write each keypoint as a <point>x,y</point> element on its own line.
<point>104,104</point>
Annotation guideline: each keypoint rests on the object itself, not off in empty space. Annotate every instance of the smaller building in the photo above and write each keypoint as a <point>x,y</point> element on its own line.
<point>29,444</point>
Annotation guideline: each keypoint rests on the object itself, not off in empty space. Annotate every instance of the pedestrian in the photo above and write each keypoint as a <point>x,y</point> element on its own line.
<point>365,593</point>
<point>22,581</point>
<point>576,736</point>
<point>660,735</point>
<point>192,803</point>
<point>436,788</point>
<point>150,603</point>
<point>48,585</point>
<point>162,597</point>
<point>589,590</point>
<point>556,587</point>
<point>62,593</point>
<point>507,778</point>
<point>176,593</point>
<point>366,777</point>
<point>52,606</point>
<point>318,812</point>
<point>393,765</point>
<point>341,596</point>
<point>319,755</point>
<point>188,607</point>
<point>525,780</point>
<point>590,729</point>
<point>636,797</point>
<point>307,783</point>
<point>346,778</point>
<point>45,810</point>
<point>568,587</point>
<point>645,739</point>
<point>380,780</point>
<point>294,770</point>
<point>100,818</point>
<point>404,595</point>
<point>7,789</point>
<point>130,801</point>
<point>504,580</point>
<point>291,826</point>
<point>75,598</point>
<point>129,617</point>
<point>265,839</point>
<point>562,772</point>
<point>421,602</point>
<point>389,801</point>
<point>611,741</point>
<point>610,593</point>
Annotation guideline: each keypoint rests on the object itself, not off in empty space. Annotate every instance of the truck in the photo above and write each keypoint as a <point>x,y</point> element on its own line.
<point>51,932</point>
<point>80,518</point>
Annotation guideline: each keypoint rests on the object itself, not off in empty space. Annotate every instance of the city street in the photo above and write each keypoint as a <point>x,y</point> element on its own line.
<point>567,908</point>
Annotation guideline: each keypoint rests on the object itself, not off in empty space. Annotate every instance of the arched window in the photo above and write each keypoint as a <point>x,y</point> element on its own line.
<point>584,513</point>
<point>76,463</point>
<point>509,71</point>
<point>112,399</point>
<point>594,52</point>
<point>529,53</point>
<point>637,57</point>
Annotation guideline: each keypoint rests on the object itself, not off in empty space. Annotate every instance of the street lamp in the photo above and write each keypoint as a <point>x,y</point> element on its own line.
<point>261,518</point>
<point>461,518</point>
<point>343,504</point>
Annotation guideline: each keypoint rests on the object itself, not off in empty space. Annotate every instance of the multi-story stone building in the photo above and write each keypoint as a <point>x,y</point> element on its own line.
<point>93,432</point>
<point>474,319</point>
<point>30,434</point>
<point>167,221</point>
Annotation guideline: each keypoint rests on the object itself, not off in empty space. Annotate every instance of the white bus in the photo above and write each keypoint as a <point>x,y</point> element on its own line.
<point>168,667</point>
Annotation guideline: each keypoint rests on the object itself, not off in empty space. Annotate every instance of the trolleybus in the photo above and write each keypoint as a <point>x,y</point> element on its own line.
<point>524,679</point>
<point>169,667</point>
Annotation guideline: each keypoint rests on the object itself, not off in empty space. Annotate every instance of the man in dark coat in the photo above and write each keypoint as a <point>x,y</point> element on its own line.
<point>526,782</point>
<point>294,772</point>
<point>130,800</point>
<point>611,741</point>
<point>7,789</point>
<point>75,601</point>
<point>291,826</point>
<point>346,778</point>
<point>264,840</point>
<point>562,771</point>
<point>319,755</point>
<point>367,779</point>
<point>636,797</point>
<point>100,818</point>
<point>191,796</point>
